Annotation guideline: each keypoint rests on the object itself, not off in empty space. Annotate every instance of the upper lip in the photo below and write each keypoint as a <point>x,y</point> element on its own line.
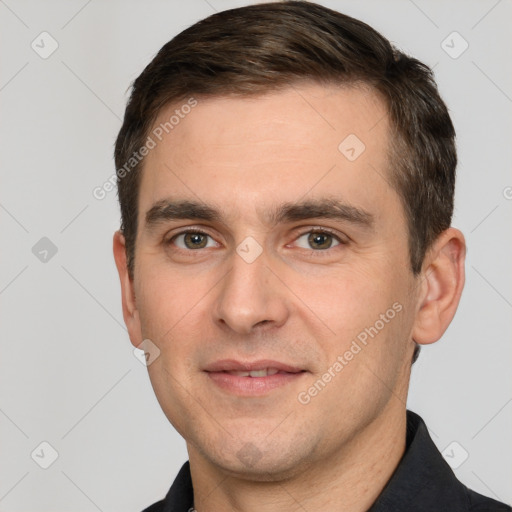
<point>232,365</point>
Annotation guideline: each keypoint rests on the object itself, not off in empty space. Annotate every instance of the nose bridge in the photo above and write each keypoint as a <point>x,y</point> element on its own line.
<point>249,294</point>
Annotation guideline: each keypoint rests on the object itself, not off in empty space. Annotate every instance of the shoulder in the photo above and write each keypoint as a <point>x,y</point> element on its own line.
<point>424,481</point>
<point>156,507</point>
<point>479,503</point>
<point>180,495</point>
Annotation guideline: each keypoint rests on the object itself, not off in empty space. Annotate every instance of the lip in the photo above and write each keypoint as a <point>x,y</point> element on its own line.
<point>232,365</point>
<point>251,386</point>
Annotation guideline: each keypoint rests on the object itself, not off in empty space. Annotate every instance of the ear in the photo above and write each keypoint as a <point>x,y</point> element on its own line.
<point>442,281</point>
<point>130,313</point>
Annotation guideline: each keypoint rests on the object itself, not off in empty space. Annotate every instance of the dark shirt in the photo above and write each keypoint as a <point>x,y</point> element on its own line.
<point>422,482</point>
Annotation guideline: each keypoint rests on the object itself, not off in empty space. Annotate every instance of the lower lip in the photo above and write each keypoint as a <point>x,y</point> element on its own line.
<point>252,386</point>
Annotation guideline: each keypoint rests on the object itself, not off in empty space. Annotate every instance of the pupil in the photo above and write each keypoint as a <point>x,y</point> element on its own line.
<point>195,240</point>
<point>321,240</point>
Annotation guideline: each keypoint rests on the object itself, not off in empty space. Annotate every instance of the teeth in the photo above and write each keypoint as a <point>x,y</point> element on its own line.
<point>255,373</point>
<point>258,373</point>
<point>239,374</point>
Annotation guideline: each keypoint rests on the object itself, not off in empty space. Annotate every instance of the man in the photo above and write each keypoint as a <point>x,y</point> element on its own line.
<point>286,181</point>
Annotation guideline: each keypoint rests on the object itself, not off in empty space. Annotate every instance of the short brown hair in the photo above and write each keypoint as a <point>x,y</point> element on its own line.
<point>260,48</point>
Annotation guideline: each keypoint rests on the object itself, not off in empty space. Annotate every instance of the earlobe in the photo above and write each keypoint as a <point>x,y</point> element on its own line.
<point>442,281</point>
<point>130,312</point>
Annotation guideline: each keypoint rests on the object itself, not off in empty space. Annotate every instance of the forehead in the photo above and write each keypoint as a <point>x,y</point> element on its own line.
<point>308,113</point>
<point>308,139</point>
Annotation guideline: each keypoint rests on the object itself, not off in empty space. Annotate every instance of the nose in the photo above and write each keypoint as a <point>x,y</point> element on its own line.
<point>251,296</point>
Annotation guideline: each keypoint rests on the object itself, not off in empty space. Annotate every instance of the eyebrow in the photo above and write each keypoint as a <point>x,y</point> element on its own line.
<point>325,208</point>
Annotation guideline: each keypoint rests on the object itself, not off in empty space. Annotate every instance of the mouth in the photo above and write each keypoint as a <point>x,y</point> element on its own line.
<point>255,373</point>
<point>256,378</point>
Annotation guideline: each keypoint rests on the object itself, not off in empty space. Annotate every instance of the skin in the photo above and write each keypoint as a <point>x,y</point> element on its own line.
<point>295,303</point>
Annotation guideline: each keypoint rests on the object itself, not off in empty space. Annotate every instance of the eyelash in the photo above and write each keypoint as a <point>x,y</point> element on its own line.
<point>316,253</point>
<point>324,231</point>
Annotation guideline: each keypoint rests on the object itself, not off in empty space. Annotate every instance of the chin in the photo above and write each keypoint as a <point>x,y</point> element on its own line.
<point>262,471</point>
<point>262,461</point>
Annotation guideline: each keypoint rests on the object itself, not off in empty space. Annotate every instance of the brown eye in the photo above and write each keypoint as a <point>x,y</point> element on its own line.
<point>195,240</point>
<point>190,240</point>
<point>318,240</point>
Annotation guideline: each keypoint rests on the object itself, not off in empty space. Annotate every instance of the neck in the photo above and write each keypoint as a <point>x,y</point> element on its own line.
<point>352,480</point>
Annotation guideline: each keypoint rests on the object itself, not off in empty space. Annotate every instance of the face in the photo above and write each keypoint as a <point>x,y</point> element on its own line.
<point>272,272</point>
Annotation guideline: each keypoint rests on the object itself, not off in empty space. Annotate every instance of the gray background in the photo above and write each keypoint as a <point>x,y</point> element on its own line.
<point>68,374</point>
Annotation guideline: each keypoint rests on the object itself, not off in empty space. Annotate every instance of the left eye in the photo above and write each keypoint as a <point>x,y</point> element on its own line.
<point>318,240</point>
<point>192,240</point>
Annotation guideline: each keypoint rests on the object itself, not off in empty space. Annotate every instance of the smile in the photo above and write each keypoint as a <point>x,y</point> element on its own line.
<point>252,378</point>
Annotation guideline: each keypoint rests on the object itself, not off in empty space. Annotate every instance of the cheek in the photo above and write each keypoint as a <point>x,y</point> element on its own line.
<point>368,317</point>
<point>364,356</point>
<point>173,392</point>
<point>169,307</point>
<point>350,300</point>
<point>165,300</point>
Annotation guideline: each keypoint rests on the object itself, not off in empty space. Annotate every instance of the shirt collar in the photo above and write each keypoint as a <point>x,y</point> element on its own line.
<point>422,481</point>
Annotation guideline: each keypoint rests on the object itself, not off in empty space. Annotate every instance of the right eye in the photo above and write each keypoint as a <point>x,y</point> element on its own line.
<point>191,239</point>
